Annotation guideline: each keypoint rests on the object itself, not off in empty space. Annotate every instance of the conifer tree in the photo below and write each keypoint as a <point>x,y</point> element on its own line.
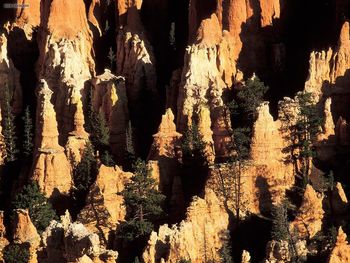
<point>9,129</point>
<point>130,155</point>
<point>107,159</point>
<point>28,133</point>
<point>40,210</point>
<point>302,133</point>
<point>143,204</point>
<point>280,223</point>
<point>16,253</point>
<point>86,170</point>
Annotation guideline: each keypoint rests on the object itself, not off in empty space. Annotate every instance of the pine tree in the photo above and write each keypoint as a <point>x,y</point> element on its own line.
<point>302,133</point>
<point>280,223</point>
<point>107,159</point>
<point>40,210</point>
<point>143,203</point>
<point>16,253</point>
<point>28,133</point>
<point>249,97</point>
<point>9,129</point>
<point>130,155</point>
<point>111,57</point>
<point>86,170</point>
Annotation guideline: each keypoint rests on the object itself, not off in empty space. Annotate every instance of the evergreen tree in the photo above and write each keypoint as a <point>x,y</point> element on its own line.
<point>143,204</point>
<point>249,97</point>
<point>86,170</point>
<point>9,129</point>
<point>130,155</point>
<point>16,253</point>
<point>193,147</point>
<point>280,223</point>
<point>302,133</point>
<point>28,133</point>
<point>111,57</point>
<point>107,159</point>
<point>40,210</point>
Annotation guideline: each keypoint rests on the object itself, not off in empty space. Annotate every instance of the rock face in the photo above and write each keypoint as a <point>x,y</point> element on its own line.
<point>273,176</point>
<point>73,243</point>
<point>341,251</point>
<point>166,150</point>
<point>195,238</point>
<point>104,206</point>
<point>3,241</point>
<point>9,78</point>
<point>309,218</point>
<point>109,97</point>
<point>202,86</point>
<point>329,70</point>
<point>51,168</point>
<point>164,159</point>
<point>24,232</point>
<point>65,60</point>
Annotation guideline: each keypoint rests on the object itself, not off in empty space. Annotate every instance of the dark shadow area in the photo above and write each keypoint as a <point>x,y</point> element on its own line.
<point>279,54</point>
<point>252,235</point>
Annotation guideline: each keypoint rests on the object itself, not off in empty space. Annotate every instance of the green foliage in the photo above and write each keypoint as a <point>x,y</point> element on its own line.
<point>184,261</point>
<point>111,57</point>
<point>130,155</point>
<point>28,133</point>
<point>9,128</point>
<point>280,224</point>
<point>86,170</point>
<point>241,144</point>
<point>15,253</point>
<point>107,159</point>
<point>136,260</point>
<point>226,254</point>
<point>143,203</point>
<point>40,210</point>
<point>249,97</point>
<point>302,133</point>
<point>193,147</point>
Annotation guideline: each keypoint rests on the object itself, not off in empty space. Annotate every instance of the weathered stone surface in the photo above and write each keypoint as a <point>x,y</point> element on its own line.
<point>3,240</point>
<point>65,60</point>
<point>341,250</point>
<point>51,168</point>
<point>195,238</point>
<point>272,175</point>
<point>330,67</point>
<point>73,243</point>
<point>104,206</point>
<point>310,215</point>
<point>9,78</point>
<point>109,97</point>
<point>201,86</point>
<point>24,232</point>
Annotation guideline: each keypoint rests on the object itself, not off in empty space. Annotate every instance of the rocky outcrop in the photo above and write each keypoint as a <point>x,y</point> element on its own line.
<point>165,155</point>
<point>24,232</point>
<point>310,215</point>
<point>201,86</point>
<point>341,250</point>
<point>195,238</point>
<point>3,241</point>
<point>104,205</point>
<point>51,168</point>
<point>272,172</point>
<point>329,70</point>
<point>65,60</point>
<point>339,200</point>
<point>166,150</point>
<point>9,78</point>
<point>109,97</point>
<point>73,243</point>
